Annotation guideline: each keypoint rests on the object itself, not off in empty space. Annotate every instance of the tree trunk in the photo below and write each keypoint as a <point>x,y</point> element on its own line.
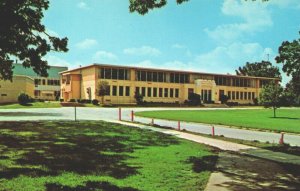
<point>274,109</point>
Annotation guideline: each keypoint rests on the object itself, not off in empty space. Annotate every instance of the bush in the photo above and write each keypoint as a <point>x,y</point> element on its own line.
<point>224,99</point>
<point>95,102</point>
<point>193,99</point>
<point>72,100</point>
<point>61,100</point>
<point>138,98</point>
<point>24,99</point>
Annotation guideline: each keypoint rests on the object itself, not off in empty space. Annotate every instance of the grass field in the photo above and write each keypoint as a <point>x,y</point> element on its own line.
<point>98,156</point>
<point>288,120</point>
<point>32,105</point>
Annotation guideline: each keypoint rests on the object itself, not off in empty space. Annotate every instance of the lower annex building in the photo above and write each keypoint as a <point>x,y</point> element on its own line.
<point>156,85</point>
<point>25,80</point>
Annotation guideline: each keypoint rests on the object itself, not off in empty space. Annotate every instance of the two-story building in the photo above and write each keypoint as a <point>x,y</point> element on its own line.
<point>156,85</point>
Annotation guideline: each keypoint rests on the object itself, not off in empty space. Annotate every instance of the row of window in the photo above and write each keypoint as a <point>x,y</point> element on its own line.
<point>114,73</point>
<point>38,93</point>
<point>49,82</point>
<point>149,76</point>
<point>237,82</point>
<point>158,92</point>
<point>233,95</point>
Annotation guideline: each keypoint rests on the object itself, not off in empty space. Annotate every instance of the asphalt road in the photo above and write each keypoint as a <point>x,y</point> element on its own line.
<point>112,114</point>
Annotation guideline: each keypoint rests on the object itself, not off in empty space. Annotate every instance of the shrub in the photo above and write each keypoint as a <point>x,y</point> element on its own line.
<point>95,102</point>
<point>61,100</point>
<point>24,99</point>
<point>138,98</point>
<point>72,100</point>
<point>224,98</point>
<point>194,99</point>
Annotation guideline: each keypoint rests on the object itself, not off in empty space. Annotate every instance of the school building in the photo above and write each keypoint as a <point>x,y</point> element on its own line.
<point>156,85</point>
<point>25,80</point>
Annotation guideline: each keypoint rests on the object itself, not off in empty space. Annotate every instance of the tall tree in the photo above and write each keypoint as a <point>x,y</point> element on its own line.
<point>289,56</point>
<point>143,6</point>
<point>103,90</point>
<point>24,38</point>
<point>270,96</point>
<point>259,69</point>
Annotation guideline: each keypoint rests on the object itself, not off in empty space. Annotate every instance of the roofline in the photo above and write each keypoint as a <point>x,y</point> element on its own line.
<point>158,69</point>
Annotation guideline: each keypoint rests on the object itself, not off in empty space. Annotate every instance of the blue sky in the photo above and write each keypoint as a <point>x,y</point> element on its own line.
<point>197,36</point>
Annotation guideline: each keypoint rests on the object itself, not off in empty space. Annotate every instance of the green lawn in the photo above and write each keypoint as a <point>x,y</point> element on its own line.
<point>288,120</point>
<point>98,156</point>
<point>32,105</point>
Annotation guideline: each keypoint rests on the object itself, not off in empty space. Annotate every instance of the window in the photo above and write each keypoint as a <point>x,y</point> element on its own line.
<point>37,93</point>
<point>249,95</point>
<point>149,92</point>
<point>121,90</point>
<point>143,76</point>
<point>137,90</point>
<point>229,94</point>
<point>160,92</point>
<point>121,74</point>
<point>176,92</point>
<point>114,73</point>
<point>253,95</point>
<point>171,92</point>
<point>233,95</point>
<point>241,95</point>
<point>166,92</point>
<point>237,95</point>
<point>44,82</point>
<point>149,76</point>
<point>245,95</point>
<point>154,76</point>
<point>127,91</point>
<point>143,91</point>
<point>3,95</point>
<point>160,77</point>
<point>154,92</point>
<point>107,90</point>
<point>114,91</point>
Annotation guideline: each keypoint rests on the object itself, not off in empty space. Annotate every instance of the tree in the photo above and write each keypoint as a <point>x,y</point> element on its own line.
<point>194,99</point>
<point>103,89</point>
<point>143,6</point>
<point>270,96</point>
<point>224,99</point>
<point>24,38</point>
<point>138,98</point>
<point>259,69</point>
<point>289,56</point>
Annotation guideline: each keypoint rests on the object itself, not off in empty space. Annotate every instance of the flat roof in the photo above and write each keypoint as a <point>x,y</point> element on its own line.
<point>161,70</point>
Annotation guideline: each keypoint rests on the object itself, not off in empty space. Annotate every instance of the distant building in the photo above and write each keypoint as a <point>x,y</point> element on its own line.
<point>27,81</point>
<point>157,85</point>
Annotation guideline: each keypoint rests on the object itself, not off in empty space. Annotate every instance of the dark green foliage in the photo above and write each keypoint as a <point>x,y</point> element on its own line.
<point>72,100</point>
<point>24,38</point>
<point>259,69</point>
<point>289,54</point>
<point>143,6</point>
<point>255,101</point>
<point>24,99</point>
<point>224,98</point>
<point>138,98</point>
<point>270,96</point>
<point>95,102</point>
<point>194,99</point>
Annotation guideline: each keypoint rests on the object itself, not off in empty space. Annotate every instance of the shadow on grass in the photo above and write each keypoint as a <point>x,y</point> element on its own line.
<point>84,148</point>
<point>206,163</point>
<point>89,186</point>
<point>292,118</point>
<point>251,173</point>
<point>27,114</point>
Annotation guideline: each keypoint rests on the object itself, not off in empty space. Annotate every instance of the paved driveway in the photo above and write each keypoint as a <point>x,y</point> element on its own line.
<point>111,114</point>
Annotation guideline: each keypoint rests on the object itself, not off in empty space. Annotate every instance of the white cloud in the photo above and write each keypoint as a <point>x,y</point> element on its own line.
<point>83,5</point>
<point>142,51</point>
<point>86,43</point>
<point>285,3</point>
<point>104,56</point>
<point>56,61</point>
<point>255,15</point>
<point>178,46</point>
<point>225,59</point>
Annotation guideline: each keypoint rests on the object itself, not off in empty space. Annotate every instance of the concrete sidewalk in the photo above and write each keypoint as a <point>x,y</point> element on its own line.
<point>243,167</point>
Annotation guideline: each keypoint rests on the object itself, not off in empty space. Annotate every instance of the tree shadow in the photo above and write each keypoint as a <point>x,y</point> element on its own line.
<point>89,186</point>
<point>84,148</point>
<point>27,114</point>
<point>250,173</point>
<point>292,118</point>
<point>205,163</point>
